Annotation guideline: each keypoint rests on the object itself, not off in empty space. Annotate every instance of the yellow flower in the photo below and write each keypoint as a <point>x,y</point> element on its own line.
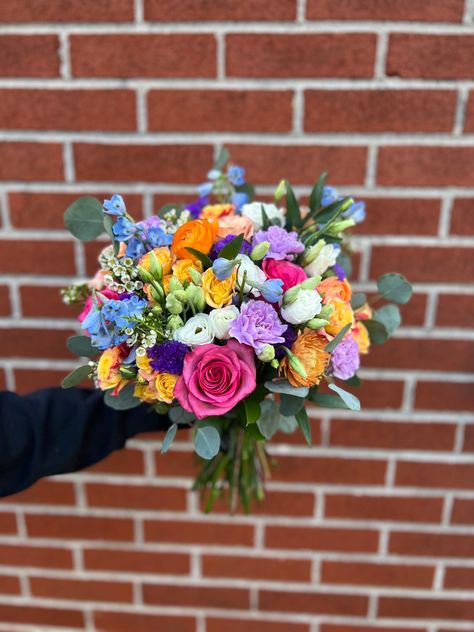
<point>309,349</point>
<point>108,374</point>
<point>214,211</point>
<point>217,293</point>
<point>146,392</point>
<point>341,316</point>
<point>363,312</point>
<point>164,384</point>
<point>166,283</point>
<point>361,336</point>
<point>164,256</point>
<point>331,288</point>
<point>144,369</point>
<point>181,269</point>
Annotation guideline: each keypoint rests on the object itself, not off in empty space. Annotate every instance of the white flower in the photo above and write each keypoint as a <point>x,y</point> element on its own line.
<point>254,212</point>
<point>305,307</point>
<point>197,331</point>
<point>254,274</point>
<point>325,259</point>
<point>221,320</point>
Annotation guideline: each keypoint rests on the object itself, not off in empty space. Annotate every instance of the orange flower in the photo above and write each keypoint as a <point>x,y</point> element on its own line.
<point>361,336</point>
<point>309,349</point>
<point>215,211</point>
<point>341,316</point>
<point>108,370</point>
<point>364,312</point>
<point>331,288</point>
<point>235,225</point>
<point>181,269</point>
<point>164,256</point>
<point>198,234</point>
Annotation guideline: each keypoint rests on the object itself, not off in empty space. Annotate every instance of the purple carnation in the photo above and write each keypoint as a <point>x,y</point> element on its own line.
<point>283,245</point>
<point>245,248</point>
<point>290,336</point>
<point>257,325</point>
<point>345,360</point>
<point>168,357</point>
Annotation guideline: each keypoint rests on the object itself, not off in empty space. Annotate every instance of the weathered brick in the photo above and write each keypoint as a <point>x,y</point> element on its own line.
<point>207,10</point>
<point>71,11</point>
<point>29,55</point>
<point>31,161</point>
<point>400,10</point>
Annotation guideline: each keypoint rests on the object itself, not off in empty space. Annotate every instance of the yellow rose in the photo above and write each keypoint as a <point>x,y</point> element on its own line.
<point>146,392</point>
<point>108,374</point>
<point>181,269</point>
<point>361,336</point>
<point>363,312</point>
<point>164,385</point>
<point>341,316</point>
<point>215,211</point>
<point>144,369</point>
<point>164,256</point>
<point>217,293</point>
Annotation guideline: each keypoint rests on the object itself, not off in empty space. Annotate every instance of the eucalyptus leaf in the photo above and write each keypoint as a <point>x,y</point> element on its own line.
<point>378,333</point>
<point>77,376</point>
<point>282,386</point>
<point>169,438</point>
<point>290,405</point>
<point>287,424</point>
<point>394,287</point>
<point>317,193</point>
<point>85,218</point>
<point>325,400</point>
<point>268,422</point>
<point>293,213</point>
<point>358,299</point>
<point>302,420</point>
<point>335,341</point>
<point>204,259</point>
<point>81,346</point>
<point>389,316</point>
<point>222,159</point>
<point>207,442</point>
<point>350,400</point>
<point>180,416</point>
<point>124,400</point>
<point>232,249</point>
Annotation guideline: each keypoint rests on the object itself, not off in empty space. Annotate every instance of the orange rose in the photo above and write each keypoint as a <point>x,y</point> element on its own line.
<point>341,316</point>
<point>361,336</point>
<point>181,269</point>
<point>309,349</point>
<point>331,288</point>
<point>235,225</point>
<point>198,234</point>
<point>215,211</point>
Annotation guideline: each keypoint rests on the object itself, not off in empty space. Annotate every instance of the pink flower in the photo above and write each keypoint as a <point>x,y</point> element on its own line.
<point>88,304</point>
<point>216,378</point>
<point>290,273</point>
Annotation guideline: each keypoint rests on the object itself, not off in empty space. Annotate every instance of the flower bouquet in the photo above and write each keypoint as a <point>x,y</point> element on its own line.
<point>228,315</point>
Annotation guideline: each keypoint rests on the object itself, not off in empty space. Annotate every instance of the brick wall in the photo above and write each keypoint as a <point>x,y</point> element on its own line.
<point>373,528</point>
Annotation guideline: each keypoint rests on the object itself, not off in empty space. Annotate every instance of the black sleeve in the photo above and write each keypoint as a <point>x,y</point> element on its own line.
<point>54,431</point>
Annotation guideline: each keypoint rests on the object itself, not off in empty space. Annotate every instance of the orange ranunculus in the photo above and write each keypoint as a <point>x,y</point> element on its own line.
<point>218,293</point>
<point>215,211</point>
<point>309,349</point>
<point>164,256</point>
<point>181,269</point>
<point>235,225</point>
<point>341,316</point>
<point>199,234</point>
<point>361,336</point>
<point>331,288</point>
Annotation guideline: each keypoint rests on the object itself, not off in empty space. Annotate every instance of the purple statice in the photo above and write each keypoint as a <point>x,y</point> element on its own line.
<point>245,248</point>
<point>289,336</point>
<point>257,325</point>
<point>168,357</point>
<point>283,245</point>
<point>345,359</point>
<point>196,206</point>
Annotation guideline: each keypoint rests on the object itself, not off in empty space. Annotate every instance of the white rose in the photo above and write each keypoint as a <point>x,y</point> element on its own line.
<point>254,274</point>
<point>325,259</point>
<point>221,320</point>
<point>254,212</point>
<point>306,306</point>
<point>197,331</point>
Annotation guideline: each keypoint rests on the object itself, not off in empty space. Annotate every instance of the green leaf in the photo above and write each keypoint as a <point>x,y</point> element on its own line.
<point>325,400</point>
<point>354,381</point>
<point>250,410</point>
<point>248,189</point>
<point>108,223</point>
<point>282,386</point>
<point>77,376</point>
<point>358,299</point>
<point>265,220</point>
<point>81,346</point>
<point>335,341</point>
<point>394,287</point>
<point>232,249</point>
<point>269,418</point>
<point>253,431</point>
<point>207,442</point>
<point>293,214</point>
<point>317,193</point>
<point>389,316</point>
<point>287,424</point>
<point>124,400</point>
<point>169,438</point>
<point>222,159</point>
<point>85,218</point>
<point>290,405</point>
<point>333,210</point>
<point>378,333</point>
<point>345,262</point>
<point>302,420</point>
<point>204,259</point>
<point>180,416</point>
<point>350,400</point>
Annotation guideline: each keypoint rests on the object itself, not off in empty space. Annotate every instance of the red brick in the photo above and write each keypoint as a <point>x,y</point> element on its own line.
<point>79,527</point>
<point>406,607</point>
<point>29,56</point>
<point>92,251</point>
<point>321,539</point>
<point>469,438</point>
<point>268,164</point>
<point>252,625</point>
<point>402,10</point>
<point>384,508</point>
<point>333,627</point>
<point>329,470</point>
<point>36,343</point>
<point>455,310</point>
<point>463,511</point>
<point>253,568</point>
<point>379,110</point>
<point>383,394</point>
<point>443,475</point>
<point>136,497</point>
<point>432,544</point>
<point>444,396</point>
<point>35,556</point>
<point>431,56</point>
<point>5,307</point>
<point>196,596</point>
<point>462,217</point>
<point>72,11</point>
<point>33,615</point>
<point>368,574</point>
<point>130,561</point>
<point>21,256</point>
<point>28,380</point>
<point>300,55</point>
<point>129,461</point>
<point>179,464</point>
<point>313,603</point>
<point>124,622</point>
<point>425,166</point>
<point>384,214</point>
<point>276,503</point>
<point>143,55</point>
<point>7,524</point>
<point>469,121</point>
<point>81,590</point>
<point>193,532</point>
<point>297,438</point>
<point>9,585</point>
<point>45,492</point>
<point>45,301</point>
<point>31,161</point>
<point>207,10</point>
<point>3,380</point>
<point>459,578</point>
<point>392,435</point>
<point>142,163</point>
<point>220,110</point>
<point>413,313</point>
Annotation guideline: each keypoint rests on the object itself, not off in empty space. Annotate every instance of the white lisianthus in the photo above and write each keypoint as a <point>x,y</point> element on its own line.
<point>221,320</point>
<point>254,274</point>
<point>306,306</point>
<point>254,212</point>
<point>325,259</point>
<point>197,331</point>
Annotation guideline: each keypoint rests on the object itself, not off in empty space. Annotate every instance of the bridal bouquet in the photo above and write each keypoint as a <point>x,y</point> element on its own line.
<point>229,315</point>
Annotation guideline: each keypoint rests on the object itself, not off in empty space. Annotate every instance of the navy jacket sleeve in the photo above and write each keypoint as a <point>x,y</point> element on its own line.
<point>54,431</point>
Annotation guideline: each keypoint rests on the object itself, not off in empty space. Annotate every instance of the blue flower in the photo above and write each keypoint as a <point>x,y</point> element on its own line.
<point>205,189</point>
<point>222,268</point>
<point>115,206</point>
<point>116,312</point>
<point>123,229</point>
<point>135,248</point>
<point>236,175</point>
<point>157,237</point>
<point>356,212</point>
<point>330,195</point>
<point>272,290</point>
<point>239,199</point>
<point>135,305</point>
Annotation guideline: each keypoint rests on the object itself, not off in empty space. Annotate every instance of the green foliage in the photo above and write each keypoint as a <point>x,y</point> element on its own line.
<point>204,259</point>
<point>232,249</point>
<point>358,299</point>
<point>268,422</point>
<point>207,442</point>
<point>302,420</point>
<point>354,381</point>
<point>293,213</point>
<point>349,400</point>
<point>248,410</point>
<point>222,159</point>
<point>317,193</point>
<point>282,386</point>
<point>265,220</point>
<point>325,400</point>
<point>81,346</point>
<point>124,400</point>
<point>248,189</point>
<point>389,316</point>
<point>378,334</point>
<point>180,416</point>
<point>169,438</point>
<point>77,376</point>
<point>394,287</point>
<point>85,218</point>
<point>345,262</point>
<point>290,405</point>
<point>335,341</point>
<point>108,223</point>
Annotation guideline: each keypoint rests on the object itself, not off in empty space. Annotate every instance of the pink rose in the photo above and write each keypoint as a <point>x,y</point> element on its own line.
<point>216,378</point>
<point>290,273</point>
<point>88,304</point>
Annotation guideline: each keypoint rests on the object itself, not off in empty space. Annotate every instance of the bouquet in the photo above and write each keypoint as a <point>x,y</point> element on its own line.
<point>229,315</point>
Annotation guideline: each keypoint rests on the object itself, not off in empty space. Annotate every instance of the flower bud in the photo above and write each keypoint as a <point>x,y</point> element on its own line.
<point>157,310</point>
<point>195,275</point>
<point>173,305</point>
<point>338,227</point>
<point>280,191</point>
<point>267,354</point>
<point>174,322</point>
<point>127,372</point>
<point>144,275</point>
<point>326,311</point>
<point>311,284</point>
<point>297,365</point>
<point>156,268</point>
<point>175,285</point>
<point>291,295</point>
<point>181,296</point>
<point>223,268</point>
<point>156,294</point>
<point>260,250</point>
<point>310,254</point>
<point>316,323</point>
<point>274,364</point>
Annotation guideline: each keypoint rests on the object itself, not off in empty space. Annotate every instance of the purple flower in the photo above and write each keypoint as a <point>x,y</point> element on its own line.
<point>245,248</point>
<point>289,336</point>
<point>257,325</point>
<point>168,357</point>
<point>345,360</point>
<point>196,206</point>
<point>339,271</point>
<point>283,245</point>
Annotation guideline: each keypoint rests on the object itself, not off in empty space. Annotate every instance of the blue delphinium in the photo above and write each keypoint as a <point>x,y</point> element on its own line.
<point>329,196</point>
<point>115,206</point>
<point>124,229</point>
<point>236,175</point>
<point>355,212</point>
<point>105,324</point>
<point>157,237</point>
<point>272,290</point>
<point>239,199</point>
